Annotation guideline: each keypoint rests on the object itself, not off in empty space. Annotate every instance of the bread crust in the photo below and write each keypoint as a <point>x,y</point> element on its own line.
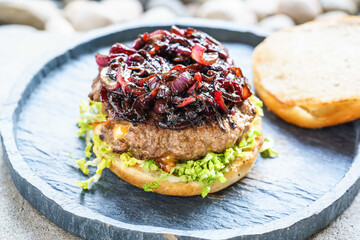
<point>305,111</point>
<point>311,116</point>
<point>238,169</point>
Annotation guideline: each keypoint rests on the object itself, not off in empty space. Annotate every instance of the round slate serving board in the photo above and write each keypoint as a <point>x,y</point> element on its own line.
<point>313,180</point>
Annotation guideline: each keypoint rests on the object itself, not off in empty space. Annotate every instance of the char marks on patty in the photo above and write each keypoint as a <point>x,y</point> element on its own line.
<point>149,141</point>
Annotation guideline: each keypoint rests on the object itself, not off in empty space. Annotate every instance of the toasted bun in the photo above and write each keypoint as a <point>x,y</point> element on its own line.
<point>309,75</point>
<point>237,170</point>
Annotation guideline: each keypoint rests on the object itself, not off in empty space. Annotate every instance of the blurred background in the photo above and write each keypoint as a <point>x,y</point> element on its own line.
<point>32,28</point>
<point>72,16</point>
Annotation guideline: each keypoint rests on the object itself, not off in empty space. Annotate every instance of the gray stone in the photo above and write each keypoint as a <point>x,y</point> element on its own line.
<point>158,13</point>
<point>175,6</point>
<point>193,8</point>
<point>34,13</point>
<point>122,10</point>
<point>348,6</point>
<point>86,15</point>
<point>18,219</point>
<point>193,1</point>
<point>277,22</point>
<point>58,24</point>
<point>263,8</point>
<point>346,226</point>
<point>332,14</point>
<point>357,2</point>
<point>232,10</point>
<point>65,2</point>
<point>300,10</point>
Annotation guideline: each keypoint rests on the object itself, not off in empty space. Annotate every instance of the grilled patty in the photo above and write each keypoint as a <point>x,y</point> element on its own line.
<point>166,146</point>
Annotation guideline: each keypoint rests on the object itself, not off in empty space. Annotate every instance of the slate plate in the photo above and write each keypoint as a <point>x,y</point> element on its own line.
<point>312,181</point>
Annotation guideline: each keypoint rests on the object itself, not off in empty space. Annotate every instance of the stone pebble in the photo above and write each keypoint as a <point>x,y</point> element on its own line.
<point>300,11</point>
<point>349,6</point>
<point>277,22</point>
<point>34,13</point>
<point>87,15</point>
<point>232,10</point>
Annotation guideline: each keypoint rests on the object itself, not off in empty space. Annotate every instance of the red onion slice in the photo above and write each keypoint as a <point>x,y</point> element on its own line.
<point>220,101</point>
<point>122,82</point>
<point>179,68</point>
<point>152,83</point>
<point>106,81</point>
<point>122,48</point>
<point>177,31</point>
<point>159,32</point>
<point>181,83</point>
<point>198,78</point>
<point>199,55</point>
<point>192,89</point>
<point>160,106</point>
<point>186,101</point>
<point>103,60</point>
<point>246,92</point>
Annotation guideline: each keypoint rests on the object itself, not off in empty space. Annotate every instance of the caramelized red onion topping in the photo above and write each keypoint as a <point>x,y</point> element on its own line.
<point>178,79</point>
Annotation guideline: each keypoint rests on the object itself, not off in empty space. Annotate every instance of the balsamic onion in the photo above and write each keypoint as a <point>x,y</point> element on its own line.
<point>179,79</point>
<point>181,83</point>
<point>199,55</point>
<point>106,81</point>
<point>122,48</point>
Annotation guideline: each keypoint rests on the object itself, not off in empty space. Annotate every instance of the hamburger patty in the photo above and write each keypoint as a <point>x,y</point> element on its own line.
<point>166,146</point>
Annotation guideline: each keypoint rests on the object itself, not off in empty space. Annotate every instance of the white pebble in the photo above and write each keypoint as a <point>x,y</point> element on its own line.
<point>263,8</point>
<point>69,1</point>
<point>58,24</point>
<point>348,6</point>
<point>277,22</point>
<point>300,10</point>
<point>34,13</point>
<point>176,6</point>
<point>234,10</point>
<point>158,13</point>
<point>332,14</point>
<point>122,10</point>
<point>86,15</point>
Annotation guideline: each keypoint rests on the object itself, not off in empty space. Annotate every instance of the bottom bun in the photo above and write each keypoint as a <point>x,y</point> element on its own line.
<point>238,169</point>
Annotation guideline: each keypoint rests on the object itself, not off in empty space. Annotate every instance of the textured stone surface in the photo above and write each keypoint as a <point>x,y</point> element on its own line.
<point>263,8</point>
<point>158,13</point>
<point>34,13</point>
<point>58,24</point>
<point>18,220</point>
<point>175,6</point>
<point>87,15</point>
<point>233,10</point>
<point>300,10</point>
<point>348,6</point>
<point>332,14</point>
<point>277,22</point>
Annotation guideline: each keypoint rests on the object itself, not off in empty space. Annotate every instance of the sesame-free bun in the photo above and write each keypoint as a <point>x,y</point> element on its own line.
<point>137,176</point>
<point>309,75</point>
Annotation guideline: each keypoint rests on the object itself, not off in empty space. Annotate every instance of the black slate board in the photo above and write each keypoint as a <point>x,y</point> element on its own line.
<point>312,181</point>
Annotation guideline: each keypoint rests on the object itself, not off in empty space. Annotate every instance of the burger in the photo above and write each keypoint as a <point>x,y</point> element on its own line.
<point>171,114</point>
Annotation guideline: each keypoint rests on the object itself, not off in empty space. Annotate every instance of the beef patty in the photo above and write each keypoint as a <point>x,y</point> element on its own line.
<point>166,146</point>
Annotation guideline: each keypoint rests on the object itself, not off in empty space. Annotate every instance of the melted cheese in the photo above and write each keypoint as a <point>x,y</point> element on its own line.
<point>119,131</point>
<point>168,158</point>
<point>166,163</point>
